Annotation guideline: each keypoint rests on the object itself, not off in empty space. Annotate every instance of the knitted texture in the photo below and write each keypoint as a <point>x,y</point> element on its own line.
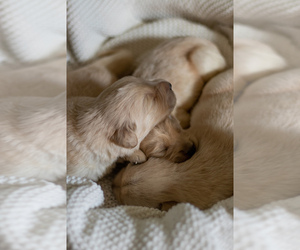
<point>31,30</point>
<point>33,214</point>
<point>273,226</point>
<point>147,36</point>
<point>98,223</point>
<point>271,11</point>
<point>91,25</point>
<point>266,125</point>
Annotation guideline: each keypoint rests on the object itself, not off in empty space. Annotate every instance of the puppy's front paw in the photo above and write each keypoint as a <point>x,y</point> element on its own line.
<point>137,157</point>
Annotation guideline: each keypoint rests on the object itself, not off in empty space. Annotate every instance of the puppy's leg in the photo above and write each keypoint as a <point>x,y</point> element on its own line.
<point>137,157</point>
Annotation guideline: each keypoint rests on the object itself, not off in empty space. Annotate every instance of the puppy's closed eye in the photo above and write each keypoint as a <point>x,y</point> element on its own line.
<point>125,136</point>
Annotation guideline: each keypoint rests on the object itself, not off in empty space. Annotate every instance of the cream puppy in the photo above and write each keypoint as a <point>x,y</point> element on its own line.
<point>202,180</point>
<point>187,63</point>
<point>167,139</point>
<point>113,124</point>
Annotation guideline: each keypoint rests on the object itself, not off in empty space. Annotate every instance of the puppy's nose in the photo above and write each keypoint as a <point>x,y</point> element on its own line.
<point>166,85</point>
<point>190,150</point>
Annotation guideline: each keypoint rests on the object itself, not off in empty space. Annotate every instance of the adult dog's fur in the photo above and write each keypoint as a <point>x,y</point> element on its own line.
<point>202,180</point>
<point>101,129</point>
<point>187,63</point>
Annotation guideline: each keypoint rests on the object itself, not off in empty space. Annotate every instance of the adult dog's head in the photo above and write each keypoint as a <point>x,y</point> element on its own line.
<point>131,107</point>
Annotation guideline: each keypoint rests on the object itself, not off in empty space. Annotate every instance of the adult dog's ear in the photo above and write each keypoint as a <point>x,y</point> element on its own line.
<point>125,136</point>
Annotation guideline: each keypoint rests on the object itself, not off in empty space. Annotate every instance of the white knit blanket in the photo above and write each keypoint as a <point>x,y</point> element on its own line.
<point>100,20</point>
<point>32,211</point>
<point>33,214</point>
<point>95,221</point>
<point>267,129</point>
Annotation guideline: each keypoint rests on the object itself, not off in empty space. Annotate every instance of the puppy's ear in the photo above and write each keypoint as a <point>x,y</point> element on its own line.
<point>125,136</point>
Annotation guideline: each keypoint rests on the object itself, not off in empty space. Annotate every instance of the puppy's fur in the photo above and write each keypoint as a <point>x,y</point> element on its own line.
<point>168,140</point>
<point>202,180</point>
<point>113,124</point>
<point>186,63</point>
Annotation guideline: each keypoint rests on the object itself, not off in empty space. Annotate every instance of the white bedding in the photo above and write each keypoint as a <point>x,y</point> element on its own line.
<point>32,67</point>
<point>95,220</point>
<point>267,127</point>
<point>33,214</point>
<point>32,211</point>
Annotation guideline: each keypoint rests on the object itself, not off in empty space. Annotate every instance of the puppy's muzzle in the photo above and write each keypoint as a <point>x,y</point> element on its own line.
<point>186,153</point>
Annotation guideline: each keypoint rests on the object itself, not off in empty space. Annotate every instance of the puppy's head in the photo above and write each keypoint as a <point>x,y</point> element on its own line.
<point>132,106</point>
<point>168,140</point>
